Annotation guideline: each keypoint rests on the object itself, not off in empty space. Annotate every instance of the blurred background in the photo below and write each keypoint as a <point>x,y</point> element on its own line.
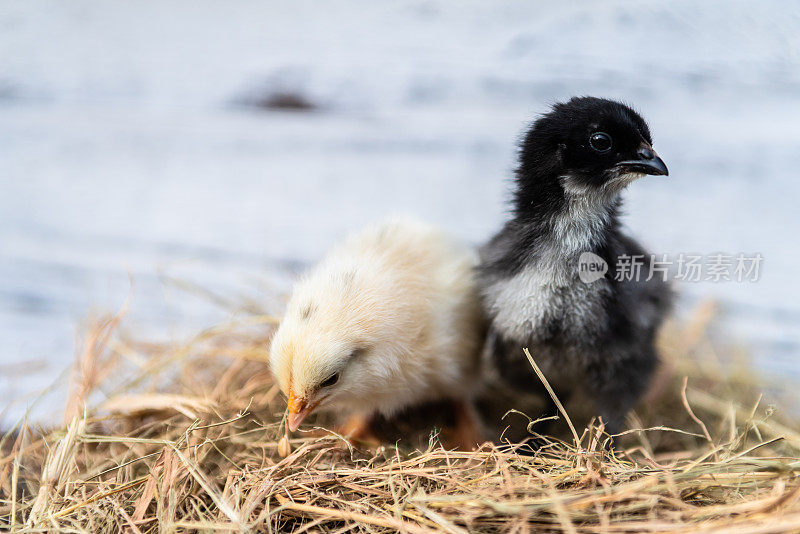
<point>159,151</point>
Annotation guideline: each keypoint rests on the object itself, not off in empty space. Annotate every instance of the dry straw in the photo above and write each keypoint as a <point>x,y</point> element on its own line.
<point>190,439</point>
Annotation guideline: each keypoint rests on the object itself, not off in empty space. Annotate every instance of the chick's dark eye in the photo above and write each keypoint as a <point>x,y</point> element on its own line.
<point>600,141</point>
<point>331,380</point>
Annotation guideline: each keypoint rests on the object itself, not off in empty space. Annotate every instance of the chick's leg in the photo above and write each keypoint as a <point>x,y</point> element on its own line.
<point>358,429</point>
<point>618,384</point>
<point>467,434</point>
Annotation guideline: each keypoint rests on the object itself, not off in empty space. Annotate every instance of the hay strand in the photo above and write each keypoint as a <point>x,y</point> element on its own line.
<point>190,437</point>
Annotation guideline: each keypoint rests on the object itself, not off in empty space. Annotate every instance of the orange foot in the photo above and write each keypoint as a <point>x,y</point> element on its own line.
<point>358,430</point>
<point>466,435</point>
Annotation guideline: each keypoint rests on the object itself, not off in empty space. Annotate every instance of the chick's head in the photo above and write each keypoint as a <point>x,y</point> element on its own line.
<point>338,344</point>
<point>591,144</point>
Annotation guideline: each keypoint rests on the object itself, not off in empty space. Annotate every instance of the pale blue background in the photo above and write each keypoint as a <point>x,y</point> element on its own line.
<point>126,146</point>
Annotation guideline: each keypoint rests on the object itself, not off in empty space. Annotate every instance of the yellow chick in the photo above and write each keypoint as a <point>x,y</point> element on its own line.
<point>388,319</point>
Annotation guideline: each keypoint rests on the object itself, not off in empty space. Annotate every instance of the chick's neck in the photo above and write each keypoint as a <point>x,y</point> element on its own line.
<point>576,221</point>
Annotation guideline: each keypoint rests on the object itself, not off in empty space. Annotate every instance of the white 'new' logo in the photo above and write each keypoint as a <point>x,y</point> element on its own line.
<point>591,267</point>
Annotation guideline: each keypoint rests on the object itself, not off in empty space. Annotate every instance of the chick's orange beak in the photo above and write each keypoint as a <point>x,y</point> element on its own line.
<point>299,409</point>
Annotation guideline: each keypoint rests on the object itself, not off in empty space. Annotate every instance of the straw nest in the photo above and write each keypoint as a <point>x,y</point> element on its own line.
<point>161,438</point>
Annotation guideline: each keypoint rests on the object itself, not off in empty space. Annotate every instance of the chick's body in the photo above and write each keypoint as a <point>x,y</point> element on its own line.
<point>598,334</point>
<point>389,318</point>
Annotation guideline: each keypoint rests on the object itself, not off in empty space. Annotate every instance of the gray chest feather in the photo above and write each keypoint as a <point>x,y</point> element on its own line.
<point>541,301</point>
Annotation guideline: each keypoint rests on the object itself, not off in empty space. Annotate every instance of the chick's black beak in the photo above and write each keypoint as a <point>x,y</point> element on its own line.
<point>647,162</point>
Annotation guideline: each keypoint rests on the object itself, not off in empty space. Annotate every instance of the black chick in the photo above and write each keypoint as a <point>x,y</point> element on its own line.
<point>598,336</point>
